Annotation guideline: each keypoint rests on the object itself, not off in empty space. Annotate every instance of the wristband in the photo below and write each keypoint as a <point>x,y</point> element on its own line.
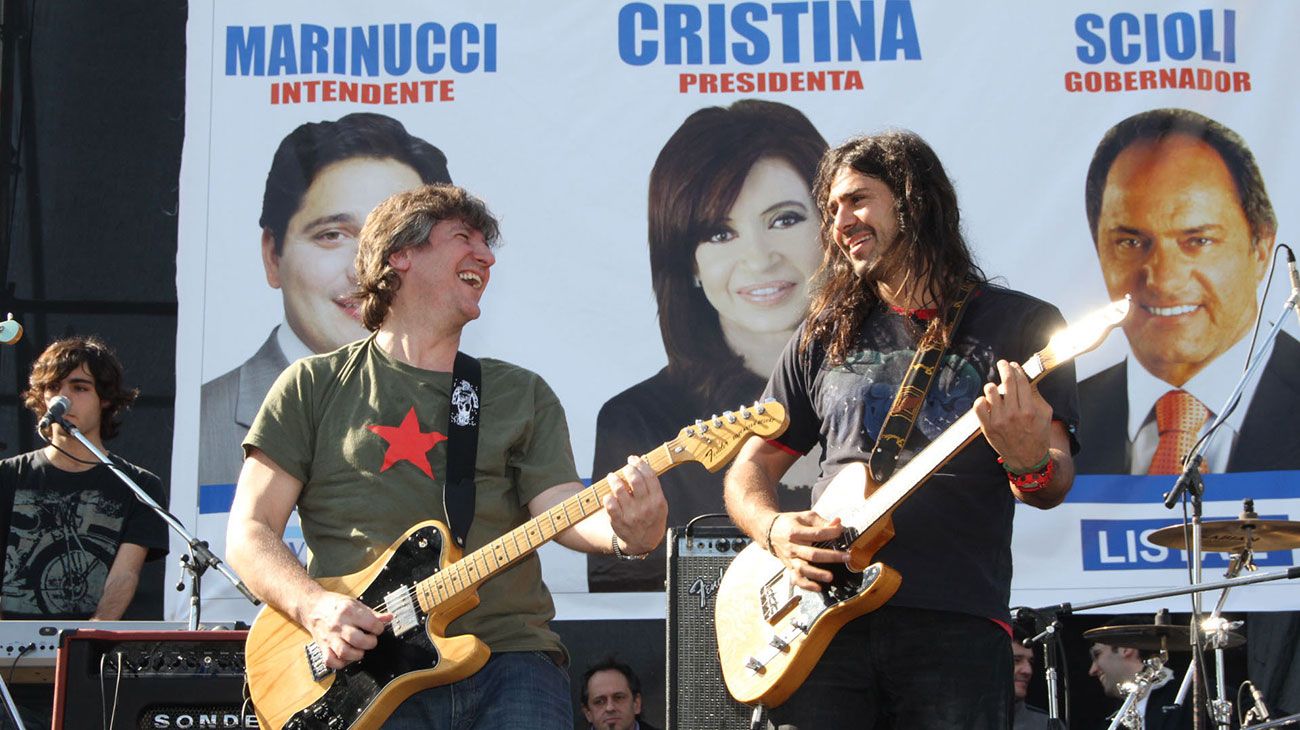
<point>618,551</point>
<point>1034,480</point>
<point>1042,464</point>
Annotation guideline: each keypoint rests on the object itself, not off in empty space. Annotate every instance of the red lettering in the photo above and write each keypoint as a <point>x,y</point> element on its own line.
<point>685,82</point>
<point>1240,81</point>
<point>348,91</point>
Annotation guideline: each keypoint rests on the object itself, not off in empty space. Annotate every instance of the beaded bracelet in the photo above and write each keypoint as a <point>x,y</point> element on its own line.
<point>1034,480</point>
<point>1042,464</point>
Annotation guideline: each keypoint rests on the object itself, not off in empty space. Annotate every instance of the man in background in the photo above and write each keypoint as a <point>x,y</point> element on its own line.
<point>1023,716</point>
<point>611,697</point>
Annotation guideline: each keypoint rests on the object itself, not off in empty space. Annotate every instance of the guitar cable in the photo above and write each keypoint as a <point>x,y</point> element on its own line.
<point>24,650</point>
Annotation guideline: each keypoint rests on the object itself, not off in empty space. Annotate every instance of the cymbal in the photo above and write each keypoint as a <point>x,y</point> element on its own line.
<point>1147,637</point>
<point>1229,536</point>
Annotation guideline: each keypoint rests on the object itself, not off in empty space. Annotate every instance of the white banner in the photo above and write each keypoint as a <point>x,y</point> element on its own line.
<point>555,114</point>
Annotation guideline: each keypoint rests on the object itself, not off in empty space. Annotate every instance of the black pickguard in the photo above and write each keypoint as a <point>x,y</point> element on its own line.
<point>356,685</point>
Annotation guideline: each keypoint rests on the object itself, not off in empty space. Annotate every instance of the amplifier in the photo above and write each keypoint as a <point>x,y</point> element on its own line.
<point>697,699</point>
<point>151,679</point>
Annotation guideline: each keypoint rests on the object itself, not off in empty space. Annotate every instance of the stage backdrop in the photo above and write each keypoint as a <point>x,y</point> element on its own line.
<point>555,114</point>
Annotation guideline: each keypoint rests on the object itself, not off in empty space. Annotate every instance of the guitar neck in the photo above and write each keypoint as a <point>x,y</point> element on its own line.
<point>861,514</point>
<point>503,552</point>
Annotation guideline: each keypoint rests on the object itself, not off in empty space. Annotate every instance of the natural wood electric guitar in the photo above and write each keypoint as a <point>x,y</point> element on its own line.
<point>771,632</point>
<point>425,583</point>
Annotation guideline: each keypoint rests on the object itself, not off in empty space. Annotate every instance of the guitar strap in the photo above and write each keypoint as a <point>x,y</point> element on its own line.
<point>462,446</point>
<point>911,394</point>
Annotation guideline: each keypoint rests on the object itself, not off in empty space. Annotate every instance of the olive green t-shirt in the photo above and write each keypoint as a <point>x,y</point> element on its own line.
<point>365,434</point>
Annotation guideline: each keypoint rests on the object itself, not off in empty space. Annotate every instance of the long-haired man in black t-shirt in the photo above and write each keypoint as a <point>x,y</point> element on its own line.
<point>935,656</point>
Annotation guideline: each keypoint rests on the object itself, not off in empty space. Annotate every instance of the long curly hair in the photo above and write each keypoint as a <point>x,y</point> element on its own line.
<point>929,249</point>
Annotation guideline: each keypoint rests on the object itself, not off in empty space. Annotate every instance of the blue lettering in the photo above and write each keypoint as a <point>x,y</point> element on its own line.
<point>628,50</point>
<point>1126,545</point>
<point>1180,36</point>
<point>1122,27</point>
<point>1085,26</point>
<point>821,32</point>
<point>340,50</point>
<point>462,35</point>
<point>757,50</point>
<point>1230,36</point>
<point>855,31</point>
<point>1152,32</point>
<point>1208,51</point>
<point>682,25</point>
<point>789,13</point>
<point>899,20</point>
<point>428,37</point>
<point>313,49</point>
<point>490,47</point>
<point>283,56</point>
<point>717,34</point>
<point>365,51</point>
<point>245,53</point>
<point>397,50</point>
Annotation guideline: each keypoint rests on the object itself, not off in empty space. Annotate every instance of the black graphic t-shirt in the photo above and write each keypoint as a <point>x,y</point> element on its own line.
<point>62,532</point>
<point>953,535</point>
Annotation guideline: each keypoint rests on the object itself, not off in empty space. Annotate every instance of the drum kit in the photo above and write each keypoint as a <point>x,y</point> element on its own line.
<point>1241,538</point>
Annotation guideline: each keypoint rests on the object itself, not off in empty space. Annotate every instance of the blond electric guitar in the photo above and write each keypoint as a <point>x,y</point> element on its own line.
<point>771,632</point>
<point>425,583</point>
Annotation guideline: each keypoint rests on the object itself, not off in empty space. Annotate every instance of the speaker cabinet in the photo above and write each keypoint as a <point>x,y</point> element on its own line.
<point>151,679</point>
<point>697,699</point>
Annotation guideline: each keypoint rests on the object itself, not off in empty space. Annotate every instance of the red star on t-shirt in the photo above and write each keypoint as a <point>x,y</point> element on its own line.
<point>408,443</point>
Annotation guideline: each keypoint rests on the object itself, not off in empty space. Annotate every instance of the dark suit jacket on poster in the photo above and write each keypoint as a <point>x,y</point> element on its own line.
<point>228,406</point>
<point>1267,441</point>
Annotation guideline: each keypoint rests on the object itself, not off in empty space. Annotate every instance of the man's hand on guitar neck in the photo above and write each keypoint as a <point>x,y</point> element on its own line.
<point>345,627</point>
<point>792,538</point>
<point>1017,421</point>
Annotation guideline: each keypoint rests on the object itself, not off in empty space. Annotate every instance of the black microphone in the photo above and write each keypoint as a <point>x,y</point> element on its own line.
<point>1295,281</point>
<point>59,405</point>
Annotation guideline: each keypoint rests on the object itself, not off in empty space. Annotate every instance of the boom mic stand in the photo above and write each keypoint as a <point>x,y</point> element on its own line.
<point>199,559</point>
<point>1190,484</point>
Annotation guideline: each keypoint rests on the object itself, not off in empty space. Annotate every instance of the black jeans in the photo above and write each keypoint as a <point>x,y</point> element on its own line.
<point>907,668</point>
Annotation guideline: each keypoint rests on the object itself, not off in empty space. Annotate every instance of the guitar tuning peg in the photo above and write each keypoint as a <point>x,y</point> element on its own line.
<point>702,426</point>
<point>744,413</point>
<point>717,422</point>
<point>731,417</point>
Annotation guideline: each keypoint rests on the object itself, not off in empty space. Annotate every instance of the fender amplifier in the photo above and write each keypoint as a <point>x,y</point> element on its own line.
<point>151,679</point>
<point>697,699</point>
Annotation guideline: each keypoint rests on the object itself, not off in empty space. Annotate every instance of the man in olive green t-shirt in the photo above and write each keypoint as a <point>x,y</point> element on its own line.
<point>353,439</point>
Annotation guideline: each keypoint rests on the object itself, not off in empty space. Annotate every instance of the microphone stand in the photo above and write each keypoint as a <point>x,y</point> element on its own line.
<point>199,559</point>
<point>1048,627</point>
<point>1191,484</point>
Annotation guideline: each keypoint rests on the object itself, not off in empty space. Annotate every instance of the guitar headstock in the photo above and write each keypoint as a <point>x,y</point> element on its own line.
<point>1085,334</point>
<point>717,440</point>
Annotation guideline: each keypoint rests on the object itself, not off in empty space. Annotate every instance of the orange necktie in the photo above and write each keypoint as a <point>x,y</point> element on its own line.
<point>1179,417</point>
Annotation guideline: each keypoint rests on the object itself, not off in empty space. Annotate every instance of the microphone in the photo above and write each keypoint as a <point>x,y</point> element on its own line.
<point>10,331</point>
<point>59,405</point>
<point>1295,281</point>
<point>1259,700</point>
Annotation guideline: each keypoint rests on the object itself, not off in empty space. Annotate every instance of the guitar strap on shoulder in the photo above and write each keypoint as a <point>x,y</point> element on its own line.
<point>911,394</point>
<point>462,446</point>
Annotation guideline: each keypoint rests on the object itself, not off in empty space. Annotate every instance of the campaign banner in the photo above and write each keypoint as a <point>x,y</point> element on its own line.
<point>651,166</point>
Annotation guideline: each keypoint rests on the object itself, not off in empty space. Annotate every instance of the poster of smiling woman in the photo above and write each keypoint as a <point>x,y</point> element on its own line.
<point>651,165</point>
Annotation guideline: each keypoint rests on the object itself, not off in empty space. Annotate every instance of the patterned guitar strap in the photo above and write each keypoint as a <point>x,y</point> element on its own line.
<point>462,446</point>
<point>911,394</point>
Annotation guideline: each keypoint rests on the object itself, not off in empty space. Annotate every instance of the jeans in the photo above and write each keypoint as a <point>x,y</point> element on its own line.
<point>907,668</point>
<point>515,689</point>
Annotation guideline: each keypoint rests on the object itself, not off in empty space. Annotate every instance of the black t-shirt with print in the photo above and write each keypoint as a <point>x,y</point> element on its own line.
<point>62,530</point>
<point>953,535</point>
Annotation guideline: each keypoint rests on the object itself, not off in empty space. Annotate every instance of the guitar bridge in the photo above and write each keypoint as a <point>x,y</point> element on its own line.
<point>777,597</point>
<point>316,662</point>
